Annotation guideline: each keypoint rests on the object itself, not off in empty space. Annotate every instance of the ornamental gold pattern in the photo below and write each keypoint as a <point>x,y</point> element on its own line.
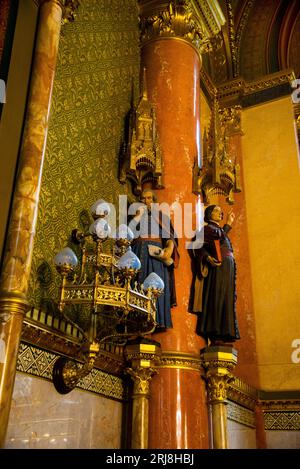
<point>287,421</point>
<point>217,386</point>
<point>182,361</point>
<point>241,415</point>
<point>98,62</point>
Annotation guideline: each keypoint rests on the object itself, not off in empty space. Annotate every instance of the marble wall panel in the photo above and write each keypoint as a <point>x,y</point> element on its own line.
<point>42,418</point>
<point>240,436</point>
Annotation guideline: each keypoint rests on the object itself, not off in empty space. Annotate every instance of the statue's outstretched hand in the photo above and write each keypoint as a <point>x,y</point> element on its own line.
<point>230,217</point>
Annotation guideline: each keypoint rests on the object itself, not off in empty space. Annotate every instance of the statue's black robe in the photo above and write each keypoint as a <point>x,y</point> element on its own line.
<point>213,293</point>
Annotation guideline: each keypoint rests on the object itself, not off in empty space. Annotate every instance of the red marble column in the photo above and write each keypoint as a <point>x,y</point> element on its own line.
<point>261,438</point>
<point>178,411</point>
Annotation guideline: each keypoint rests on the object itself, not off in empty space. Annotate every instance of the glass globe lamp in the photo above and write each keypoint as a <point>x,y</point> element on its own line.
<point>128,264</point>
<point>100,229</point>
<point>154,284</point>
<point>65,261</point>
<point>100,209</point>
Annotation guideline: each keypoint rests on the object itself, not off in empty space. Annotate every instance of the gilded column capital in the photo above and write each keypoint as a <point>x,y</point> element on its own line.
<point>68,7</point>
<point>197,22</point>
<point>218,363</point>
<point>142,357</point>
<point>141,380</point>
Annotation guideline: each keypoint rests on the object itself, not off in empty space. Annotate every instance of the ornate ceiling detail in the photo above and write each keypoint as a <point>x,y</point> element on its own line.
<point>194,21</point>
<point>258,39</point>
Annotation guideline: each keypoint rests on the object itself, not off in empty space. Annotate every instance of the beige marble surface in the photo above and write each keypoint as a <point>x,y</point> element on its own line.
<point>240,436</point>
<point>283,439</point>
<point>42,418</point>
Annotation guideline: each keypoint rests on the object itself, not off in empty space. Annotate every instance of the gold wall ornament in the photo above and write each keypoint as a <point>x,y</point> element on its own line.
<point>142,359</point>
<point>218,363</point>
<point>119,308</point>
<point>219,173</point>
<point>141,158</point>
<point>197,22</point>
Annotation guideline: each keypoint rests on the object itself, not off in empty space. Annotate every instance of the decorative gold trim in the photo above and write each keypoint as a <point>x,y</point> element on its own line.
<point>239,32</point>
<point>269,81</point>
<point>12,303</point>
<point>241,415</point>
<point>232,44</point>
<point>180,360</point>
<point>232,91</point>
<point>282,405</point>
<point>241,393</point>
<point>37,362</point>
<point>194,21</point>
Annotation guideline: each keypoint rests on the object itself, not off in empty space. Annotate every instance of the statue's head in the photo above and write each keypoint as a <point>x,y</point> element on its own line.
<point>213,213</point>
<point>148,197</point>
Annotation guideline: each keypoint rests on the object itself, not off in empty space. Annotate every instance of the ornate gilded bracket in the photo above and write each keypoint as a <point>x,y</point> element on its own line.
<point>141,158</point>
<point>219,174</point>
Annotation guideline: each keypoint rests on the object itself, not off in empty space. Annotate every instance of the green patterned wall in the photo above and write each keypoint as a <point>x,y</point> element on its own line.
<point>98,65</point>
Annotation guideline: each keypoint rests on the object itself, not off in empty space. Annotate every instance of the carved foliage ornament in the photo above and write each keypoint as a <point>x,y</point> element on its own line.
<point>141,378</point>
<point>69,8</point>
<point>190,20</point>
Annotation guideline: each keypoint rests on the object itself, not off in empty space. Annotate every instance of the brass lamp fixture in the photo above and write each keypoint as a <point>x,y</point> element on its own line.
<point>118,307</point>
